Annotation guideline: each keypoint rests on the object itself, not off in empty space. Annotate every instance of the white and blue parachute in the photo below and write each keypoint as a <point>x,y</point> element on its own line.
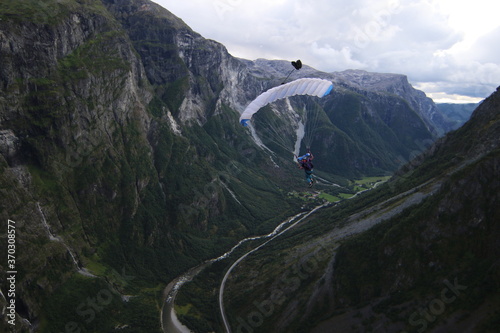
<point>304,86</point>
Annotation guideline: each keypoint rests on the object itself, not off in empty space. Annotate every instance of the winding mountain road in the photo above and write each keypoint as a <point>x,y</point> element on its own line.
<point>223,283</point>
<point>357,223</point>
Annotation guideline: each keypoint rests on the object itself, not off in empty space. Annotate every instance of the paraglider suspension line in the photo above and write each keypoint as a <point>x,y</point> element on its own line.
<point>287,76</point>
<point>297,65</point>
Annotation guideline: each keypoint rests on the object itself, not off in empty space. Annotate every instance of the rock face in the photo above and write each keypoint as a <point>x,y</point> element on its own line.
<point>398,85</point>
<point>123,163</point>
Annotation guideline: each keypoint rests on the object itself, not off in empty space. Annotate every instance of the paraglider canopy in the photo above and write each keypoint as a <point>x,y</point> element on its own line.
<point>304,86</point>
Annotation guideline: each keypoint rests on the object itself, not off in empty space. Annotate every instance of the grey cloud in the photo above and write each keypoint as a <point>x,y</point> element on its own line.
<point>407,37</point>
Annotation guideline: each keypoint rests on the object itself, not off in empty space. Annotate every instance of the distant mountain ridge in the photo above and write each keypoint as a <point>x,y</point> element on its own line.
<point>458,114</point>
<point>371,99</point>
<point>396,84</point>
<point>399,85</point>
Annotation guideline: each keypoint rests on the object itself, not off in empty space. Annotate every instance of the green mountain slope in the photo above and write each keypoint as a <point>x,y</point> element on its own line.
<point>417,254</point>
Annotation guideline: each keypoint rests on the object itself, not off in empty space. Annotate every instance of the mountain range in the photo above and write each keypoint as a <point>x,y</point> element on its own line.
<point>123,164</point>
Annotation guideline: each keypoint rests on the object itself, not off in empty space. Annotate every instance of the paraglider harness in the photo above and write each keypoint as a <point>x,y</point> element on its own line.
<point>305,162</point>
<point>307,165</point>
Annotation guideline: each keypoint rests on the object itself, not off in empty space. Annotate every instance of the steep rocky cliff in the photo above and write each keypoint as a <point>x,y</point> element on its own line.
<point>123,164</point>
<point>119,174</point>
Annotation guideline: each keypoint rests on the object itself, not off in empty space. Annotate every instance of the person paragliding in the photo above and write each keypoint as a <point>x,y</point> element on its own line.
<point>305,163</point>
<point>303,86</point>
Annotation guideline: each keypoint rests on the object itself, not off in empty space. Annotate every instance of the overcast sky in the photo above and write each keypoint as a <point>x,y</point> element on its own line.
<point>450,49</point>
